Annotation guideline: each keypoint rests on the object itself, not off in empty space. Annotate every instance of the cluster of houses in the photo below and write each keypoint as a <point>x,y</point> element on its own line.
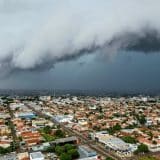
<point>5,130</point>
<point>27,128</point>
<point>90,114</point>
<point>92,117</point>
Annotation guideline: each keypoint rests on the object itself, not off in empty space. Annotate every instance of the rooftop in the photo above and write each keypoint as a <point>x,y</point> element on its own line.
<point>36,155</point>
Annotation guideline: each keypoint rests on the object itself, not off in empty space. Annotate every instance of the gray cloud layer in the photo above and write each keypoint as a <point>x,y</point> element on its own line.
<point>38,33</point>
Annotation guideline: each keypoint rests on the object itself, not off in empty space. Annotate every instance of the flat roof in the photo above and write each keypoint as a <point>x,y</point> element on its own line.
<point>11,156</point>
<point>87,149</point>
<point>117,143</point>
<point>36,155</point>
<point>63,140</point>
<point>89,158</point>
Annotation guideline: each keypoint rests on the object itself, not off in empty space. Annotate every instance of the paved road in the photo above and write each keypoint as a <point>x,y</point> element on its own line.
<point>13,130</point>
<point>92,144</point>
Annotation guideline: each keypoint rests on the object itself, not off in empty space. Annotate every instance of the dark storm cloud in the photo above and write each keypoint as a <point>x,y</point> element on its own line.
<point>37,34</point>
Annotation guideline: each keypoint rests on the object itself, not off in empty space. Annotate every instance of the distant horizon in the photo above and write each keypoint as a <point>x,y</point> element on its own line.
<point>73,92</point>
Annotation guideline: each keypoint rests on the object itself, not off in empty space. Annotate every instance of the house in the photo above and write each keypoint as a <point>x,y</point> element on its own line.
<point>5,144</point>
<point>4,130</point>
<point>151,146</point>
<point>11,156</point>
<point>40,147</point>
<point>63,118</point>
<point>23,156</point>
<point>31,138</point>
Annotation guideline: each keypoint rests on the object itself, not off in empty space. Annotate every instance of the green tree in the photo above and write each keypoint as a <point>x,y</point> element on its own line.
<point>59,150</point>
<point>47,130</point>
<point>142,148</point>
<point>65,156</point>
<point>117,127</point>
<point>147,158</point>
<point>73,153</point>
<point>151,135</point>
<point>68,147</point>
<point>114,129</point>
<point>129,139</point>
<point>50,149</point>
<point>5,150</point>
<point>141,119</point>
<point>59,133</point>
<point>48,137</point>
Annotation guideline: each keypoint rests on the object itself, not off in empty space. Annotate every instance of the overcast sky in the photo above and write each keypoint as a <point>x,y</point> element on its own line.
<point>79,44</point>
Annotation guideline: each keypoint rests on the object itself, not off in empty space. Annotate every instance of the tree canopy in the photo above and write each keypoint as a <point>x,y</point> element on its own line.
<point>142,148</point>
<point>65,156</point>
<point>129,139</point>
<point>67,152</point>
<point>147,158</point>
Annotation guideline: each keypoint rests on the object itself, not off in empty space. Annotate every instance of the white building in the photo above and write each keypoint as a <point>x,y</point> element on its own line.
<point>63,118</point>
<point>154,147</point>
<point>36,156</point>
<point>89,158</point>
<point>14,106</point>
<point>45,98</point>
<point>149,122</point>
<point>119,146</point>
<point>114,143</point>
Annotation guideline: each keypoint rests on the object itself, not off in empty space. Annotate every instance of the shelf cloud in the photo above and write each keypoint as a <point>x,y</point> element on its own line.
<point>36,34</point>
